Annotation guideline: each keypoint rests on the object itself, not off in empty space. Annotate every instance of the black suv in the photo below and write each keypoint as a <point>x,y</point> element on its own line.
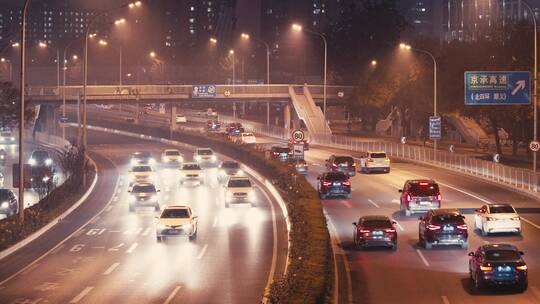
<point>343,164</point>
<point>281,153</point>
<point>8,202</point>
<point>375,230</point>
<point>419,195</point>
<point>334,184</point>
<point>496,265</point>
<point>443,227</point>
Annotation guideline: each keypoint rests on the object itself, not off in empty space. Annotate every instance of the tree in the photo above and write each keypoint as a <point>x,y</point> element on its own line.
<point>9,106</point>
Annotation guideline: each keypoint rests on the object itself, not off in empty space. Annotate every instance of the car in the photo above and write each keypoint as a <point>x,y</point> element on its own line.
<point>7,137</point>
<point>40,158</point>
<point>374,161</point>
<point>191,172</point>
<point>205,156</point>
<point>300,165</point>
<point>181,118</point>
<point>304,142</point>
<point>142,173</point>
<point>142,158</point>
<point>419,195</point>
<point>2,179</point>
<point>175,221</point>
<point>331,184</point>
<point>443,227</point>
<point>375,230</point>
<point>9,204</point>
<point>234,129</point>
<point>228,169</point>
<point>246,138</point>
<point>343,164</point>
<point>494,218</point>
<point>280,153</point>
<point>239,190</point>
<point>213,125</point>
<point>498,265</point>
<point>143,194</point>
<point>171,156</point>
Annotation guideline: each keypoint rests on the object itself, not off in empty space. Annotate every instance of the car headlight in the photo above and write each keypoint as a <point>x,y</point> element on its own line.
<point>153,198</point>
<point>48,162</point>
<point>197,158</point>
<point>133,161</point>
<point>229,194</point>
<point>213,157</point>
<point>4,205</point>
<point>12,138</point>
<point>32,162</point>
<point>188,227</point>
<point>45,179</point>
<point>161,226</point>
<point>240,172</point>
<point>489,219</point>
<point>516,218</point>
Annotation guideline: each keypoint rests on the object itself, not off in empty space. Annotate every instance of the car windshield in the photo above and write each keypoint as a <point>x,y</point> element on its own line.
<point>377,224</point>
<point>175,213</point>
<point>337,176</point>
<point>40,155</point>
<point>5,194</point>
<point>172,153</point>
<point>5,134</point>
<point>143,189</point>
<point>501,209</point>
<point>204,152</point>
<point>502,255</point>
<point>247,134</point>
<point>450,218</point>
<point>239,183</point>
<point>344,159</point>
<point>281,150</point>
<point>141,155</point>
<point>141,169</point>
<point>378,155</point>
<point>424,189</point>
<point>230,165</point>
<point>191,167</point>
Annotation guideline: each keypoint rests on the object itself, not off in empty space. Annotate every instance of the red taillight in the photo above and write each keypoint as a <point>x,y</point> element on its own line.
<point>439,197</point>
<point>346,183</point>
<point>433,227</point>
<point>423,184</point>
<point>354,164</point>
<point>275,153</point>
<point>462,227</point>
<point>365,231</point>
<point>390,230</point>
<point>327,183</point>
<point>408,197</point>
<point>334,165</point>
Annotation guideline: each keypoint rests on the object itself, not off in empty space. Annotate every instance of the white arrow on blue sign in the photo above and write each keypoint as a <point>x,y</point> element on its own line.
<point>497,88</point>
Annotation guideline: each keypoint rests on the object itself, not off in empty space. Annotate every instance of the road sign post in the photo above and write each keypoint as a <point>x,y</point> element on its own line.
<point>298,135</point>
<point>435,128</point>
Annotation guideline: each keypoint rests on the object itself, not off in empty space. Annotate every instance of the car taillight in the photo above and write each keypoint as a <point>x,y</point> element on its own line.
<point>439,197</point>
<point>326,183</point>
<point>423,184</point>
<point>334,165</point>
<point>365,231</point>
<point>462,227</point>
<point>346,183</point>
<point>275,153</point>
<point>521,267</point>
<point>354,164</point>
<point>515,218</point>
<point>369,160</point>
<point>408,197</point>
<point>390,230</point>
<point>433,227</point>
<point>486,267</point>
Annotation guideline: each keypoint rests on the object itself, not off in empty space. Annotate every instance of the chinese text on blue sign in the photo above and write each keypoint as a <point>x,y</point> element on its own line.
<point>203,91</point>
<point>497,88</point>
<point>435,128</point>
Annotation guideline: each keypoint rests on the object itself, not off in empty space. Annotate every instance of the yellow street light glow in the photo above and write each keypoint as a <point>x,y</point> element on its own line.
<point>3,59</point>
<point>75,57</point>
<point>135,4</point>
<point>92,35</point>
<point>404,46</point>
<point>244,36</point>
<point>16,44</point>
<point>102,42</point>
<point>152,54</point>
<point>297,27</point>
<point>213,40</point>
<point>42,44</point>
<point>120,21</point>
<point>373,62</point>
<point>231,52</point>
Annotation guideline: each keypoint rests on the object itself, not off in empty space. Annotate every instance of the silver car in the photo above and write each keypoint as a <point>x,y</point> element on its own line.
<point>143,195</point>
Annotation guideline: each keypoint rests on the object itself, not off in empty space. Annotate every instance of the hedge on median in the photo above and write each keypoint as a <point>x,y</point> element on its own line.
<point>308,278</point>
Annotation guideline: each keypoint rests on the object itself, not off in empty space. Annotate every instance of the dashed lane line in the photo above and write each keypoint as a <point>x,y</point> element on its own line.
<point>422,257</point>
<point>373,203</point>
<point>111,269</point>
<point>202,252</point>
<point>82,294</point>
<point>132,248</point>
<point>445,300</point>
<point>172,295</point>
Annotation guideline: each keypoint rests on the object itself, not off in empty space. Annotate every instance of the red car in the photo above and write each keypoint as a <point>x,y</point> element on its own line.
<point>375,230</point>
<point>298,142</point>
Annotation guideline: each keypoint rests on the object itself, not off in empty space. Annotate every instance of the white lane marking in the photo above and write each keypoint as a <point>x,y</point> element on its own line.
<point>535,291</point>
<point>30,269</point>
<point>117,247</point>
<point>467,193</point>
<point>373,203</point>
<point>111,269</point>
<point>396,201</point>
<point>115,199</point>
<point>82,294</point>
<point>422,257</point>
<point>146,231</point>
<point>202,252</point>
<point>346,204</point>
<point>172,295</point>
<point>114,231</point>
<point>336,249</point>
<point>58,249</point>
<point>95,219</point>
<point>131,248</point>
<point>119,191</point>
<point>108,208</point>
<point>215,221</point>
<point>529,222</point>
<point>399,226</point>
<point>445,300</point>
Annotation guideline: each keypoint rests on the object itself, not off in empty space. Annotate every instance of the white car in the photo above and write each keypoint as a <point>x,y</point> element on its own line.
<point>374,161</point>
<point>191,173</point>
<point>205,156</point>
<point>139,174</point>
<point>180,118</point>
<point>171,156</point>
<point>239,190</point>
<point>494,218</point>
<point>7,137</point>
<point>1,180</point>
<point>246,138</point>
<point>143,195</point>
<point>174,221</point>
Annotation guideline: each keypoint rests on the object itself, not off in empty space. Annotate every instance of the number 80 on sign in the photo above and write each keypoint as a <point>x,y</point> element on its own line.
<point>298,135</point>
<point>534,146</point>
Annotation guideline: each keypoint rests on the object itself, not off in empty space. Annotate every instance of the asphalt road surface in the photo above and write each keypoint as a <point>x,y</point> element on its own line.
<point>114,256</point>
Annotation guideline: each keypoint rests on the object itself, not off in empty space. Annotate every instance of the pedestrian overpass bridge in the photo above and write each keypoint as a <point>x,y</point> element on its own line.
<point>302,97</point>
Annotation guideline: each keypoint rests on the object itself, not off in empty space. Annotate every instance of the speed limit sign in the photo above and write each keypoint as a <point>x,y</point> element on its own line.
<point>298,135</point>
<point>534,146</point>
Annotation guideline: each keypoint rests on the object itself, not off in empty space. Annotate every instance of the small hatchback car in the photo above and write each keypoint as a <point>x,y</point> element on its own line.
<point>498,265</point>
<point>375,230</point>
<point>443,227</point>
<point>334,184</point>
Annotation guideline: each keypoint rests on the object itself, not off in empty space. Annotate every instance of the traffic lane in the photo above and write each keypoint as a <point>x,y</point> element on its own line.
<point>243,234</point>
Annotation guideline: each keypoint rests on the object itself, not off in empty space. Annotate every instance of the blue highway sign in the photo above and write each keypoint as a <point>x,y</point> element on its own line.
<point>435,132</point>
<point>497,88</point>
<point>203,91</point>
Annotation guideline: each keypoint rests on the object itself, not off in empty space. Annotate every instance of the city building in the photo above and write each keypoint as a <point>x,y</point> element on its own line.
<point>424,18</point>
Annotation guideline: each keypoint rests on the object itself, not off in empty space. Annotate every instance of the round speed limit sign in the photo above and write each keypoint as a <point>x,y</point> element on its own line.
<point>534,146</point>
<point>298,135</point>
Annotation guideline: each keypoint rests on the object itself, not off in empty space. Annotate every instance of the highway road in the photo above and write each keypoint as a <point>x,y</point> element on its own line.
<point>114,256</point>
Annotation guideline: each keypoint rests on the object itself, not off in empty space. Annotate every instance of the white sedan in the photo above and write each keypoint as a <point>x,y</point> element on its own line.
<point>495,218</point>
<point>247,138</point>
<point>171,156</point>
<point>174,221</point>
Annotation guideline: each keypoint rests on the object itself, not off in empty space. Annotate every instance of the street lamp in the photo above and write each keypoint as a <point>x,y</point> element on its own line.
<point>213,40</point>
<point>231,52</point>
<point>10,67</point>
<point>75,57</point>
<point>119,21</point>
<point>299,28</point>
<point>246,36</point>
<point>152,54</point>
<point>408,47</point>
<point>15,45</point>
<point>44,45</point>
<point>373,62</point>
<point>135,4</point>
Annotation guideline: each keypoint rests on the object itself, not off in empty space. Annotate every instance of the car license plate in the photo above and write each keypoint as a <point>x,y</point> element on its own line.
<point>504,268</point>
<point>448,228</point>
<point>337,183</point>
<point>424,203</point>
<point>174,231</point>
<point>377,233</point>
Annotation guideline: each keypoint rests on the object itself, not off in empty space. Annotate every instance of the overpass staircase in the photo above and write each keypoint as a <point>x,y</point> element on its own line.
<point>308,111</point>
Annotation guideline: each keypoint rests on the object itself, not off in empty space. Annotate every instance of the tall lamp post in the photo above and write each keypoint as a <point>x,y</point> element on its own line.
<point>231,52</point>
<point>10,67</point>
<point>299,28</point>
<point>408,47</point>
